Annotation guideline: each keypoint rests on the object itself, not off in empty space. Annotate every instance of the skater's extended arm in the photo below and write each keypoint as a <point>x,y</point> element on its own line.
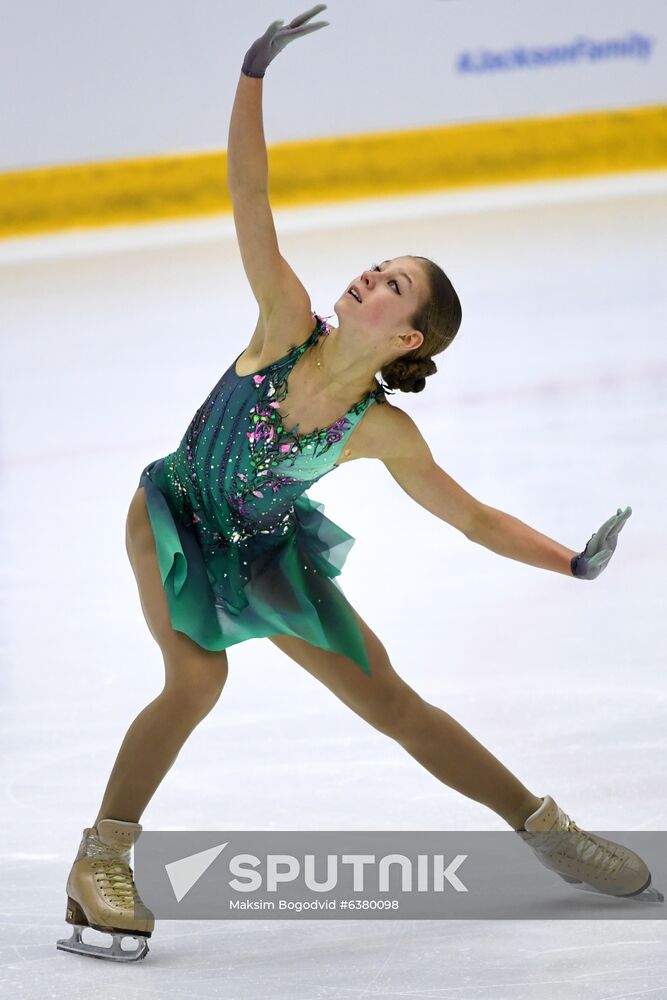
<point>506,535</point>
<point>407,456</point>
<point>510,537</point>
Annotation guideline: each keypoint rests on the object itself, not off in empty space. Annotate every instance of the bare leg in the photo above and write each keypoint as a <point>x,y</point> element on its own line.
<point>150,747</point>
<point>430,735</point>
<point>454,756</point>
<point>194,679</point>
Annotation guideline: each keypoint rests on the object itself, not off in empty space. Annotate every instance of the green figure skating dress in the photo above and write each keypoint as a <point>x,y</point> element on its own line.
<point>243,551</point>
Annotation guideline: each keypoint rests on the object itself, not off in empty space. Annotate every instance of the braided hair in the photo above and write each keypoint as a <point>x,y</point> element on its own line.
<point>439,319</point>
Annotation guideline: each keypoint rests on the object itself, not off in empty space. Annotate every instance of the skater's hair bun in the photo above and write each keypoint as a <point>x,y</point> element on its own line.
<point>409,373</point>
<point>439,319</point>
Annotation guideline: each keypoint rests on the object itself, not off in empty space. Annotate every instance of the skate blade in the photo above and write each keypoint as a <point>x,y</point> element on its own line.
<point>116,953</point>
<point>648,895</point>
<point>651,895</point>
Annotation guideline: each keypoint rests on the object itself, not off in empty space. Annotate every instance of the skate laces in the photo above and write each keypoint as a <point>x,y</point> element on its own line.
<point>587,847</point>
<point>113,872</point>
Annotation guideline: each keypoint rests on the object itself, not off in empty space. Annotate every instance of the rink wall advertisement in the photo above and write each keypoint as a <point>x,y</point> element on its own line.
<point>102,125</point>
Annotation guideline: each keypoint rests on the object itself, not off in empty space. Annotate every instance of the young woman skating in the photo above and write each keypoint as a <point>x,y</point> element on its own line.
<point>226,545</point>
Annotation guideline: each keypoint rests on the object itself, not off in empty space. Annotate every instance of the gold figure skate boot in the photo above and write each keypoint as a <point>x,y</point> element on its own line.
<point>101,893</point>
<point>584,859</point>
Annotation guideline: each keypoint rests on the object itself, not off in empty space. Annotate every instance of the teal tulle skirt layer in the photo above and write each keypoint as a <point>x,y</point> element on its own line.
<point>288,584</point>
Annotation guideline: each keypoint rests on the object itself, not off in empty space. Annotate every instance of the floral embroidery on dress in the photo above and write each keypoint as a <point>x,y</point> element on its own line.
<point>271,444</point>
<point>255,480</point>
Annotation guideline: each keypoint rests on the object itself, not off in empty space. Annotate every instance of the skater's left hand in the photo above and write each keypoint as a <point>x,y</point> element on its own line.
<point>600,547</point>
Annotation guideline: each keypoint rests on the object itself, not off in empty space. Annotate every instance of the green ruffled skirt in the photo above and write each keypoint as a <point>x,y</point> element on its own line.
<point>287,586</point>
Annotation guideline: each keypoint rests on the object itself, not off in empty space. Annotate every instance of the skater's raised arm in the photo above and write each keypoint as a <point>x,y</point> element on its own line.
<point>271,278</point>
<point>247,161</point>
<point>408,458</point>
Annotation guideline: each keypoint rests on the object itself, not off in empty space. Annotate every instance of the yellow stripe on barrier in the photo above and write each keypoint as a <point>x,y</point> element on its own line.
<point>150,189</point>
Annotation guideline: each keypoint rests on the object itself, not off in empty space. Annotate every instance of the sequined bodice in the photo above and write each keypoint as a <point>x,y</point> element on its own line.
<point>237,471</point>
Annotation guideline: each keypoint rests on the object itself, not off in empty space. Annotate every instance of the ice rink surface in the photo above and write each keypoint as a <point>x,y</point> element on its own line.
<point>551,405</point>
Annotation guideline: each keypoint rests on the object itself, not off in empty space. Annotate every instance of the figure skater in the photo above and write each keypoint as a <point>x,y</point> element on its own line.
<point>226,545</point>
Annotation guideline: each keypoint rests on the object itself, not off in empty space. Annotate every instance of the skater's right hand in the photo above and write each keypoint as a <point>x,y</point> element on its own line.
<point>275,38</point>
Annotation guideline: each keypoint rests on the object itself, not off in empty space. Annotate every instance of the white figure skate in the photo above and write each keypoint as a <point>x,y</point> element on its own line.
<point>101,893</point>
<point>584,859</point>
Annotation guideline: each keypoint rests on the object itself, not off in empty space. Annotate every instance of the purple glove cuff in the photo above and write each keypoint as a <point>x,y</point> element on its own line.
<point>574,565</point>
<point>248,72</point>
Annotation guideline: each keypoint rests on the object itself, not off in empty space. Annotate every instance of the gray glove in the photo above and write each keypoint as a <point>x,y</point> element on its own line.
<point>275,38</point>
<point>599,548</point>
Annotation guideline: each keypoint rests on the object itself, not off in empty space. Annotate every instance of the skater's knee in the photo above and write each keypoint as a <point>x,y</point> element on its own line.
<point>412,715</point>
<point>194,685</point>
<point>191,704</point>
<point>397,712</point>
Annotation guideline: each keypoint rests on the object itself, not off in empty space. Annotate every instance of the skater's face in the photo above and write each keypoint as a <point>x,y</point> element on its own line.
<point>391,293</point>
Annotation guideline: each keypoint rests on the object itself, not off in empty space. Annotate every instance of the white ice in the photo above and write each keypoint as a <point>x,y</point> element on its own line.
<point>550,405</point>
